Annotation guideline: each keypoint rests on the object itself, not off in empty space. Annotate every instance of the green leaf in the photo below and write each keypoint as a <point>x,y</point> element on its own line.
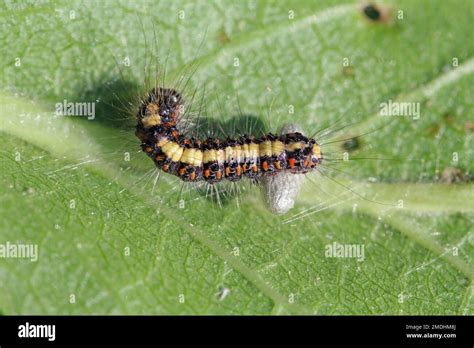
<point>117,243</point>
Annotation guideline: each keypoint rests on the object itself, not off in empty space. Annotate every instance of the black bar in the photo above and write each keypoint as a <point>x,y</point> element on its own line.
<point>350,330</point>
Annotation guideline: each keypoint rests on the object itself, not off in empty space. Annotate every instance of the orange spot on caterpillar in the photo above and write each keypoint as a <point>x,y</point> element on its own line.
<point>292,163</point>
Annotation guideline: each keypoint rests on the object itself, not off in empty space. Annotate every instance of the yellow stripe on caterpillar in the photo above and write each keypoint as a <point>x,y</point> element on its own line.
<point>209,156</point>
<point>294,146</point>
<point>238,153</point>
<point>277,147</point>
<point>253,150</point>
<point>177,154</point>
<point>192,156</point>
<point>197,161</point>
<point>230,153</point>
<point>265,148</point>
<point>151,121</point>
<point>245,151</point>
<point>188,156</point>
<point>220,156</point>
<point>173,151</point>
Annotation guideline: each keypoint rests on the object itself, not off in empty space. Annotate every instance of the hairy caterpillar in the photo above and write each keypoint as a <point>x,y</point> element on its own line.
<point>212,159</point>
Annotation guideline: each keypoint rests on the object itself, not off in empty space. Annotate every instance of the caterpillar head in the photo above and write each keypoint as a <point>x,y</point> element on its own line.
<point>163,106</point>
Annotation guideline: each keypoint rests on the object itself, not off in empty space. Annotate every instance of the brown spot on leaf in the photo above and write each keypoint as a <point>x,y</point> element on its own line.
<point>222,36</point>
<point>433,130</point>
<point>348,71</point>
<point>351,144</point>
<point>453,175</point>
<point>469,127</point>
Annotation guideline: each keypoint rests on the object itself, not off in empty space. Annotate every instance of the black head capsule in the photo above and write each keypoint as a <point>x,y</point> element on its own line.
<point>161,106</point>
